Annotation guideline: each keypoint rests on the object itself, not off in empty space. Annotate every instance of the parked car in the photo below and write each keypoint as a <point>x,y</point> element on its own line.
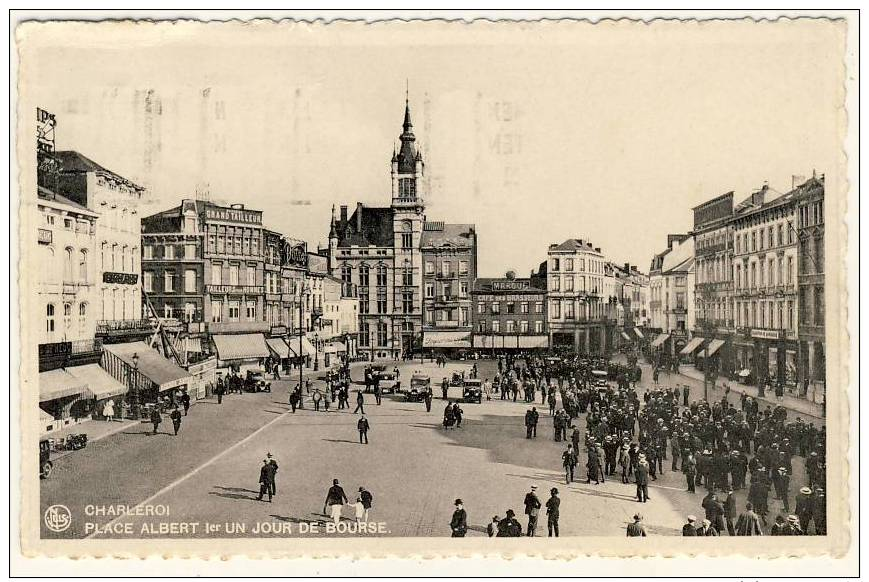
<point>472,391</point>
<point>388,383</point>
<point>45,464</point>
<point>420,385</point>
<point>255,381</point>
<point>599,378</point>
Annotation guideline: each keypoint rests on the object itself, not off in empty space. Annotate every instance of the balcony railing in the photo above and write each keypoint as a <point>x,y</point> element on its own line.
<point>235,289</point>
<point>447,299</point>
<point>442,323</point>
<point>238,326</point>
<point>711,249</point>
<point>124,326</point>
<point>450,275</point>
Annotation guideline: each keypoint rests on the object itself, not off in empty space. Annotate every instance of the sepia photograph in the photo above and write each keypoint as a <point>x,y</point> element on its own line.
<point>309,286</point>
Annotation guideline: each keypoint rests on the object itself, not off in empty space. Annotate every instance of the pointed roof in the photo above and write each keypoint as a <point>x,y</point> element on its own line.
<point>407,155</point>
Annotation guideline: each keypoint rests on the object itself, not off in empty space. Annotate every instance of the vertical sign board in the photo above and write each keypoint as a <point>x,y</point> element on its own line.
<point>45,124</point>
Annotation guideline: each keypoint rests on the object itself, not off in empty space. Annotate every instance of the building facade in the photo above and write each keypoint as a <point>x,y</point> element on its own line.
<point>117,303</point>
<point>765,287</point>
<point>671,282</point>
<point>713,250</point>
<point>509,313</point>
<point>449,255</point>
<point>577,314</point>
<point>811,329</point>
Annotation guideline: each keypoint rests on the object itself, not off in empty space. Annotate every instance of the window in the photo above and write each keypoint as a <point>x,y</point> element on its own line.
<point>381,301</point>
<point>148,281</point>
<point>169,252</point>
<point>523,326</point>
<point>496,326</point>
<point>555,283</point>
<point>406,188</point>
<point>463,267</point>
<point>790,322</point>
<point>538,327</point>
<point>568,283</point>
<point>220,243</point>
<point>67,223</point>
<point>568,265</point>
<point>167,311</point>
<point>189,251</point>
<point>234,311</point>
<point>555,264</point>
<point>446,269</point>
<point>216,273</point>
<point>511,307</point>
<point>407,240</point>
<point>67,265</point>
<point>538,307</point>
<point>382,333</point>
<point>429,268</point>
<point>169,281</point>
<point>447,290</point>
<point>233,274</point>
<point>429,291</point>
<point>216,311</point>
<point>463,316</point>
<point>250,309</point>
<point>429,316</point>
<point>363,301</point>
<point>381,275</point>
<point>407,276</point>
<point>83,265</point>
<point>407,301</point>
<point>569,310</point>
<point>190,281</point>
<point>189,312</point>
<point>481,308</point>
<point>49,319</point>
<point>481,326</point>
<point>819,254</point>
<point>496,308</point>
<point>555,310</point>
<point>251,276</point>
<point>523,307</point>
<point>819,306</point>
<point>510,326</point>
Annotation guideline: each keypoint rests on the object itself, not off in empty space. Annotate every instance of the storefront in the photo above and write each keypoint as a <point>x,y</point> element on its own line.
<point>62,397</point>
<point>241,352</point>
<point>687,352</point>
<point>151,378</point>
<point>334,352</point>
<point>301,351</point>
<point>101,389</point>
<point>280,351</point>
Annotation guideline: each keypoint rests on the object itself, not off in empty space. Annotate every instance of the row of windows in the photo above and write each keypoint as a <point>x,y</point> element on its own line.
<point>232,274</point>
<point>446,268</point>
<point>447,315</point>
<point>574,284</point>
<point>234,311</point>
<point>567,265</point>
<point>509,326</point>
<point>81,225</point>
<point>812,214</point>
<point>169,252</point>
<point>574,310</point>
<point>765,273</point>
<point>764,238</point>
<point>69,309</point>
<point>117,257</point>
<point>510,307</point>
<point>765,314</point>
<point>382,335</point>
<point>169,281</point>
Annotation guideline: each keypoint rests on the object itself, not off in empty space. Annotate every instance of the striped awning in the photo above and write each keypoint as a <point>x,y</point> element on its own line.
<point>99,383</point>
<point>307,348</point>
<point>151,364</point>
<point>660,339</point>
<point>691,346</point>
<point>244,346</point>
<point>278,347</point>
<point>713,346</point>
<point>59,384</point>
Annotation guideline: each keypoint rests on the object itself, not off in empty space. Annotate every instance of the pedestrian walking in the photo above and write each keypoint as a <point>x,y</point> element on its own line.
<point>636,529</point>
<point>273,469</point>
<point>427,398</point>
<point>532,510</point>
<point>316,397</point>
<point>156,419</point>
<point>294,400</point>
<point>459,522</point>
<point>367,499</point>
<point>220,390</point>
<point>458,412</point>
<point>445,386</point>
<point>335,500</point>
<point>748,523</point>
<point>265,473</point>
<point>175,415</point>
<point>730,511</point>
<point>360,402</point>
<point>109,410</point>
<point>553,507</point>
<point>378,393</point>
<point>690,528</point>
<point>569,462</point>
<point>363,427</point>
<point>641,476</point>
<point>185,401</point>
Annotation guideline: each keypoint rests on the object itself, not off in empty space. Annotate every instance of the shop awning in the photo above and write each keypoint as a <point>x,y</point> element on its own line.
<point>99,383</point>
<point>245,346</point>
<point>713,346</point>
<point>533,341</point>
<point>446,339</point>
<point>660,339</point>
<point>639,333</point>
<point>278,347</point>
<point>307,348</point>
<point>626,336</point>
<point>58,384</point>
<point>691,346</point>
<point>162,372</point>
<point>193,344</point>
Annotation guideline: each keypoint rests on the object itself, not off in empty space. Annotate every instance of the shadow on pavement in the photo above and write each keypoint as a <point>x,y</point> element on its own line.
<point>235,493</point>
<point>295,519</point>
<point>340,441</point>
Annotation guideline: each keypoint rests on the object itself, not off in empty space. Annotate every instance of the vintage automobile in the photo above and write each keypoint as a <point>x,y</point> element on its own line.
<point>255,381</point>
<point>472,391</point>
<point>374,371</point>
<point>388,383</point>
<point>420,385</point>
<point>457,379</point>
<point>599,378</point>
<point>45,464</point>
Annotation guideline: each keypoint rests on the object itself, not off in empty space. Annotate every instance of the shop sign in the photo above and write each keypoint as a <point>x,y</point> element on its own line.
<point>55,349</point>
<point>770,334</point>
<point>120,278</point>
<point>45,236</point>
<point>278,330</point>
<point>509,285</point>
<point>295,254</point>
<point>45,124</point>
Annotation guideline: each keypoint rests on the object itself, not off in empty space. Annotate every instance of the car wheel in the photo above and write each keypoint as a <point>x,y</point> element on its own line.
<point>46,470</point>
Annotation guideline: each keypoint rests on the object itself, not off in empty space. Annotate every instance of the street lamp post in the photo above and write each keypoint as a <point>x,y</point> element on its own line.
<point>134,373</point>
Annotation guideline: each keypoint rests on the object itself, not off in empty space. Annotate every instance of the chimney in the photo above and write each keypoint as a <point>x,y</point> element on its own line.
<point>628,267</point>
<point>633,267</point>
<point>343,213</point>
<point>358,217</point>
<point>588,244</point>
<point>597,249</point>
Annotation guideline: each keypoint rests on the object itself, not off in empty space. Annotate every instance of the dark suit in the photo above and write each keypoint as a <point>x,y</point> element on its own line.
<point>552,511</point>
<point>688,530</point>
<point>642,477</point>
<point>532,510</point>
<point>459,523</point>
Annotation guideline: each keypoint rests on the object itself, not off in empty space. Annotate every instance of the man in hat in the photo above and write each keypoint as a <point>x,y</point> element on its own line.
<point>459,522</point>
<point>748,523</point>
<point>335,500</point>
<point>529,423</point>
<point>366,498</point>
<point>265,481</point>
<point>273,468</point>
<point>794,528</point>
<point>363,426</point>
<point>730,511</point>
<point>509,527</point>
<point>636,529</point>
<point>569,462</point>
<point>804,509</point>
<point>624,461</point>
<point>779,527</point>
<point>641,476</point>
<point>492,528</point>
<point>781,482</point>
<point>690,528</point>
<point>532,510</point>
<point>553,506</point>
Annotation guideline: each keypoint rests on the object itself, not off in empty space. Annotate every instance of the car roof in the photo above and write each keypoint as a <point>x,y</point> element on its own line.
<point>420,377</point>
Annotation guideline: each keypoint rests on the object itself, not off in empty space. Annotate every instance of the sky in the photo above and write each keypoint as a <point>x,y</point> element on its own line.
<point>534,133</point>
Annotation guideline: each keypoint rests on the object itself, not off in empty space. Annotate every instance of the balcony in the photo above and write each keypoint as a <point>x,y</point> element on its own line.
<point>125,327</point>
<point>711,249</point>
<point>234,289</point>
<point>448,299</point>
<point>238,326</point>
<point>288,298</point>
<point>446,323</point>
<point>446,276</point>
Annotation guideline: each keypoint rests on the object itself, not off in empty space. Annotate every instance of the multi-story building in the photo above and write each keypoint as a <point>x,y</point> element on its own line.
<point>812,343</point>
<point>671,281</point>
<point>765,287</point>
<point>449,254</point>
<point>118,301</point>
<point>377,252</point>
<point>713,251</point>
<point>632,288</point>
<point>577,315</point>
<point>509,313</point>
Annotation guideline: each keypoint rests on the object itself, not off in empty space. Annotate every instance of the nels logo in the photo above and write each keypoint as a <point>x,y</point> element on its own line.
<point>57,518</point>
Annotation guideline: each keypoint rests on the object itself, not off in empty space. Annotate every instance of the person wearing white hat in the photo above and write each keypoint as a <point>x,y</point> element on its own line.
<point>532,510</point>
<point>706,529</point>
<point>690,529</point>
<point>805,507</point>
